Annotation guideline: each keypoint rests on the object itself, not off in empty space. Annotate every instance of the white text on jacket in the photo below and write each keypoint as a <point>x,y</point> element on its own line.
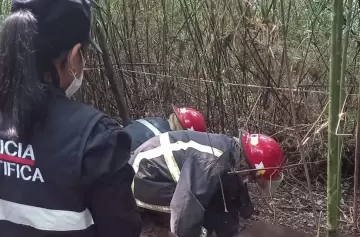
<point>18,161</point>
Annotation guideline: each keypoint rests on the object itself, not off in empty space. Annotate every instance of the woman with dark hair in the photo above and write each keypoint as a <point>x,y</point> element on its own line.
<point>63,165</point>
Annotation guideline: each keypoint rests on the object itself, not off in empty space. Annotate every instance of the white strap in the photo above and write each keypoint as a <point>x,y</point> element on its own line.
<point>165,146</point>
<point>149,126</point>
<point>174,171</point>
<point>203,232</point>
<point>144,205</point>
<point>169,157</point>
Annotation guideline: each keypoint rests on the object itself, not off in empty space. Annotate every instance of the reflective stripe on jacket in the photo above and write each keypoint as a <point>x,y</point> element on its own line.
<point>142,130</point>
<point>72,178</point>
<point>180,172</point>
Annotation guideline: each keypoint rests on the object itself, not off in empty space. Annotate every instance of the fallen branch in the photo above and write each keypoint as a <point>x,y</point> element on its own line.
<point>278,167</point>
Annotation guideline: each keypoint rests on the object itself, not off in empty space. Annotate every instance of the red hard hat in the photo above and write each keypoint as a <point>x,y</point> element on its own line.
<point>190,118</point>
<point>263,152</point>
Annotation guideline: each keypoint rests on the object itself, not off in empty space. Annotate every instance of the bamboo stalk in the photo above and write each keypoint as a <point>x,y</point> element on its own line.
<point>334,161</point>
<point>356,168</point>
<point>342,95</point>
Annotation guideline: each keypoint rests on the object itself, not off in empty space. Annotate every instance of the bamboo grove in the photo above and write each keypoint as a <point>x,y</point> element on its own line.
<point>281,67</point>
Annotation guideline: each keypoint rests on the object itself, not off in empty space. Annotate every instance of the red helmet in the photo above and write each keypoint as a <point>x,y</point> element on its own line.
<point>190,118</point>
<point>263,152</point>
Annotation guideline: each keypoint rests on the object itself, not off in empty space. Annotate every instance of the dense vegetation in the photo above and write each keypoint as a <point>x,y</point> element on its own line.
<point>227,59</point>
<point>235,60</point>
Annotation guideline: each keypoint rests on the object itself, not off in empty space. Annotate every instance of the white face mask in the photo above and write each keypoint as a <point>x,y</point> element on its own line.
<point>76,83</point>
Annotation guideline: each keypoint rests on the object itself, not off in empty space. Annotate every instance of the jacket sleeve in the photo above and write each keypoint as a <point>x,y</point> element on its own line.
<point>107,178</point>
<point>196,186</point>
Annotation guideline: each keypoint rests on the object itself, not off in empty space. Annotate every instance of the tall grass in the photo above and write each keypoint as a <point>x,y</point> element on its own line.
<point>226,59</point>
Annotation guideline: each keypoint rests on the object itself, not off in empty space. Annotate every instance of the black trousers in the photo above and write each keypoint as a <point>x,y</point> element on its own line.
<point>224,224</point>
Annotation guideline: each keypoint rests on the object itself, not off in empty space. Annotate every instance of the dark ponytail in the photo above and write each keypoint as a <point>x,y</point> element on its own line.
<point>23,93</point>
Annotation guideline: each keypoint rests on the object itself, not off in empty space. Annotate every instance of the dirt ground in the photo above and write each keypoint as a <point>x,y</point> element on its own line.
<point>290,206</point>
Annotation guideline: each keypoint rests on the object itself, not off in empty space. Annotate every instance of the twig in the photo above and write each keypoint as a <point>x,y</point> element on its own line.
<point>303,142</point>
<point>164,76</point>
<point>274,168</point>
<point>304,208</point>
<point>252,110</point>
<point>318,225</point>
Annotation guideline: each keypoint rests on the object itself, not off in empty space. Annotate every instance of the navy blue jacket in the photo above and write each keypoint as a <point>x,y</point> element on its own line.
<point>142,130</point>
<point>186,173</point>
<point>71,180</point>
